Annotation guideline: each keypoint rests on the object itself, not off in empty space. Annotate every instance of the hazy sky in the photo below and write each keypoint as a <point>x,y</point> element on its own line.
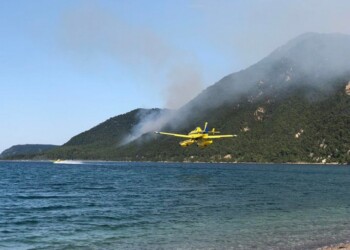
<point>67,65</point>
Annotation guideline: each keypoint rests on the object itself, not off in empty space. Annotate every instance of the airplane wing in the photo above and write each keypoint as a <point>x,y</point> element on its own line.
<point>219,136</point>
<point>171,134</point>
<point>180,135</point>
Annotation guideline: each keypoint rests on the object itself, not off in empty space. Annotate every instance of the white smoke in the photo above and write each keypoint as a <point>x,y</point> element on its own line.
<point>148,122</point>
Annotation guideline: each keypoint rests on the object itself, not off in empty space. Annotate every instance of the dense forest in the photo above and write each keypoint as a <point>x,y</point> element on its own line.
<point>305,125</point>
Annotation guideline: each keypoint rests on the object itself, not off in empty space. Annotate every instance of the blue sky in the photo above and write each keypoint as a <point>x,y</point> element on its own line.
<point>67,65</point>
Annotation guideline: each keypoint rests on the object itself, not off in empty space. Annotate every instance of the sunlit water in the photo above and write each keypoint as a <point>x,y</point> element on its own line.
<point>172,206</point>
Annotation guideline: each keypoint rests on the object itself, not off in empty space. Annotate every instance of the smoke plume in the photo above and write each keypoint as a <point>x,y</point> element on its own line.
<point>148,122</point>
<point>90,30</point>
<point>184,84</point>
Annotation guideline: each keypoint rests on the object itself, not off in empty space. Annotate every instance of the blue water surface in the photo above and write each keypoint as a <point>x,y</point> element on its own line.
<point>109,205</point>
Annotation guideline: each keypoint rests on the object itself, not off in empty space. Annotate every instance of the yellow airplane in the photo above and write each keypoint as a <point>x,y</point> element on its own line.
<point>203,138</point>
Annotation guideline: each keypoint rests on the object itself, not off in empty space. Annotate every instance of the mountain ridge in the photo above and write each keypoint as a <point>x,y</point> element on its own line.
<point>298,81</point>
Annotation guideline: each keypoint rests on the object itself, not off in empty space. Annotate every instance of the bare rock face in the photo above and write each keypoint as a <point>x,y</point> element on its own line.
<point>245,129</point>
<point>259,114</point>
<point>228,157</point>
<point>347,88</point>
<point>297,135</point>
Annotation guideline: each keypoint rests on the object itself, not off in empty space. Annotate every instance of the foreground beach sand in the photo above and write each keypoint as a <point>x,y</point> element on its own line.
<point>342,246</point>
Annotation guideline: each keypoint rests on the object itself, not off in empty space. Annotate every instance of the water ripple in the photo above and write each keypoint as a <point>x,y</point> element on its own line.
<point>172,206</point>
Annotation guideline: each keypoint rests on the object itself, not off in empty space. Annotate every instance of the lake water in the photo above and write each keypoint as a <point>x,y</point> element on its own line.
<point>172,206</point>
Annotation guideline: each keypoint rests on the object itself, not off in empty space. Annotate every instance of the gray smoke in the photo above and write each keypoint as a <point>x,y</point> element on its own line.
<point>90,30</point>
<point>185,82</point>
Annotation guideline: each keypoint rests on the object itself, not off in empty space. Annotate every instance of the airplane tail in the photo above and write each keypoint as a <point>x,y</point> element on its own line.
<point>205,129</point>
<point>213,131</point>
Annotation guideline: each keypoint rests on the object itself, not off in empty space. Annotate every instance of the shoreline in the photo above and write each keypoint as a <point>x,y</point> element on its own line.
<point>340,246</point>
<point>184,162</point>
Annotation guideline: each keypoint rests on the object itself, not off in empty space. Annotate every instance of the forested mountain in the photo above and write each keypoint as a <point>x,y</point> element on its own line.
<point>291,106</point>
<point>25,151</point>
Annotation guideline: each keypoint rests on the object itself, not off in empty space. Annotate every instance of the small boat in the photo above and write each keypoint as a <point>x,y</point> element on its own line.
<point>58,161</point>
